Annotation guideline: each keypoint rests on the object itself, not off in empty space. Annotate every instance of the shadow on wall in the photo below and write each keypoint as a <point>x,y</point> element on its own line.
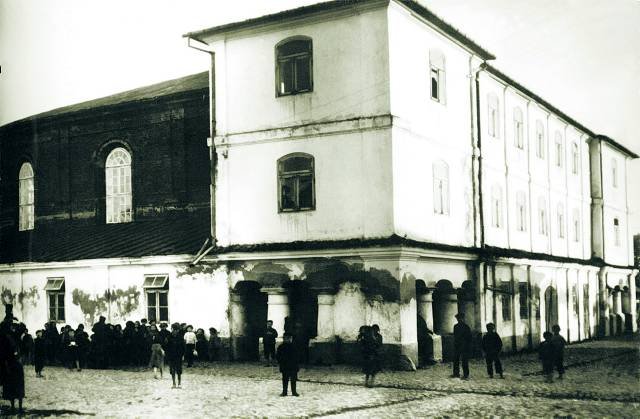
<point>329,274</point>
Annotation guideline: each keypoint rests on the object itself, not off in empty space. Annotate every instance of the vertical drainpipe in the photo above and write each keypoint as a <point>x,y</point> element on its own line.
<point>213,156</point>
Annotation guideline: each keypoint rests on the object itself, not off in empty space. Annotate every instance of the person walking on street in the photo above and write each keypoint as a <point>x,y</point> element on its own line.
<point>288,359</point>
<point>492,345</point>
<point>39,353</point>
<point>461,347</point>
<point>558,343</point>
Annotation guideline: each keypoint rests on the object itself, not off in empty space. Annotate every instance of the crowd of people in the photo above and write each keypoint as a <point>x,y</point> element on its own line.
<point>110,346</point>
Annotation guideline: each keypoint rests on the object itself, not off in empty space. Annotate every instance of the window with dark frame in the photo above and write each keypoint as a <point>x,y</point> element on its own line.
<point>157,293</point>
<point>26,206</point>
<point>575,159</point>
<point>542,212</point>
<point>55,299</point>
<point>294,68</point>
<point>506,307</point>
<point>521,207</point>
<point>296,184</point>
<point>616,232</point>
<point>559,156</point>
<point>523,298</point>
<point>437,75</point>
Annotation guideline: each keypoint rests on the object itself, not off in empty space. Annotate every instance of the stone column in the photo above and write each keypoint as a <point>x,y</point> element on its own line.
<point>425,307</point>
<point>425,310</point>
<point>237,326</point>
<point>449,308</point>
<point>617,302</point>
<point>277,308</point>
<point>323,348</point>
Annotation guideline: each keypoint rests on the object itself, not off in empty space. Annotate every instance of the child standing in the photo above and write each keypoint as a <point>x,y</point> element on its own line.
<point>72,350</point>
<point>157,356</point>
<point>287,357</point>
<point>370,354</point>
<point>546,355</point>
<point>558,343</point>
<point>190,341</point>
<point>214,344</point>
<point>39,353</point>
<point>175,352</point>
<point>492,345</point>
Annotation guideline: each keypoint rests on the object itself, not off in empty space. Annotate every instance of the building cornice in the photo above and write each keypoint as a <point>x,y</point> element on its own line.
<point>91,263</point>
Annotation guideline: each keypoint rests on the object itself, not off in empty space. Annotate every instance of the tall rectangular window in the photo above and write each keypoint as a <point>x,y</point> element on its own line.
<point>560,221</point>
<point>576,225</point>
<point>523,293</point>
<point>518,128</point>
<point>55,299</point>
<point>505,299</point>
<point>521,211</point>
<point>157,294</point>
<point>437,75</point>
<point>614,172</point>
<point>493,115</point>
<point>496,206</point>
<point>559,154</point>
<point>118,186</point>
<point>575,158</point>
<point>440,188</point>
<point>616,232</point>
<point>539,140</point>
<point>26,212</point>
<point>542,216</point>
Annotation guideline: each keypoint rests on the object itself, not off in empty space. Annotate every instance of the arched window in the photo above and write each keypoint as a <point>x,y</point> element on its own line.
<point>575,158</point>
<point>118,186</point>
<point>26,213</point>
<point>493,115</point>
<point>542,216</point>
<point>539,140</point>
<point>616,232</point>
<point>521,211</point>
<point>294,66</point>
<point>559,154</point>
<point>576,225</point>
<point>296,183</point>
<point>518,128</point>
<point>437,75</point>
<point>614,172</point>
<point>496,206</point>
<point>560,221</point>
<point>441,188</point>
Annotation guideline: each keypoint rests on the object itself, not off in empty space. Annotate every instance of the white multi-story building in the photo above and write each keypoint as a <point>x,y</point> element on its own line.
<point>372,167</point>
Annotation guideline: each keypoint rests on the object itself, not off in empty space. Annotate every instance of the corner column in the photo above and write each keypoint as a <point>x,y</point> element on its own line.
<point>425,310</point>
<point>603,326</point>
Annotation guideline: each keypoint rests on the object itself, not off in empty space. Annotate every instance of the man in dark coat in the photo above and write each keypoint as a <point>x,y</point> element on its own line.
<point>174,352</point>
<point>287,356</point>
<point>492,345</point>
<point>269,342</point>
<point>461,347</point>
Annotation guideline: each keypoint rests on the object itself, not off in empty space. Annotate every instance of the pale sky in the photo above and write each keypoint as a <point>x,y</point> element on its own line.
<point>583,56</point>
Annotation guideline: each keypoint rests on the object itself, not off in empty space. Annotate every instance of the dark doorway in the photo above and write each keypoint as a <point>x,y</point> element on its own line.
<point>249,328</point>
<point>303,315</point>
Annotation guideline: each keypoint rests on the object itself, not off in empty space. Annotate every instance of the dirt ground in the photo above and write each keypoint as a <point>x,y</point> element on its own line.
<point>602,380</point>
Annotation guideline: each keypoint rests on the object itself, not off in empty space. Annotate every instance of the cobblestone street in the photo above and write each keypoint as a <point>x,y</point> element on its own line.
<point>602,381</point>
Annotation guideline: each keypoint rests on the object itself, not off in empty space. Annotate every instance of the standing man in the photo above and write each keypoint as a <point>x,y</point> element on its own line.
<point>492,345</point>
<point>461,347</point>
<point>269,342</point>
<point>558,343</point>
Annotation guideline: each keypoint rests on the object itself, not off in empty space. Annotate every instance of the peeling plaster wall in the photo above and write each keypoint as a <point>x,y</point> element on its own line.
<point>197,298</point>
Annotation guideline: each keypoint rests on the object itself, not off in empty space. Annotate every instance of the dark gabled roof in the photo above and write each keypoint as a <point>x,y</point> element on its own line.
<point>180,235</point>
<point>152,92</point>
<point>499,74</point>
<point>332,5</point>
